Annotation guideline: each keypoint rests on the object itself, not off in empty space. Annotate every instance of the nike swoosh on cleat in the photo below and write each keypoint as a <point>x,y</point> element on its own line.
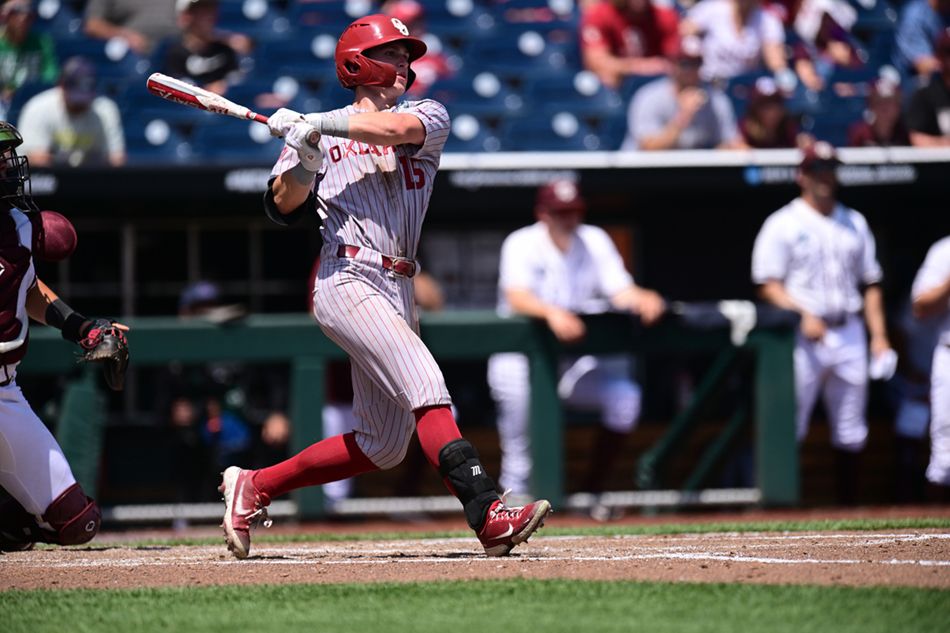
<point>510,531</point>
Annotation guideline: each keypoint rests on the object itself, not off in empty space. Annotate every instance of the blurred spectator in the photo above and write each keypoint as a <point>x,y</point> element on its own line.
<point>681,111</point>
<point>739,36</point>
<point>825,43</point>
<point>432,66</point>
<point>882,124</point>
<point>557,269</point>
<point>921,22</point>
<point>620,38</point>
<point>24,54</point>
<point>767,123</point>
<point>199,54</point>
<point>928,116</point>
<point>141,23</point>
<point>70,124</point>
<point>206,404</point>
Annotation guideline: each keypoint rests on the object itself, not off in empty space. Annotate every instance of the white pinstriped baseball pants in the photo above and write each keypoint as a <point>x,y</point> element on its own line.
<point>938,471</point>
<point>370,313</point>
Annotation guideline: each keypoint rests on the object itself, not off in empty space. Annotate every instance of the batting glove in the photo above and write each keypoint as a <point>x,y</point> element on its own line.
<point>303,138</point>
<point>281,121</point>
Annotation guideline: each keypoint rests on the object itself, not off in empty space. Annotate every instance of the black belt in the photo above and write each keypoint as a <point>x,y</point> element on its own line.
<point>837,320</point>
<point>399,265</point>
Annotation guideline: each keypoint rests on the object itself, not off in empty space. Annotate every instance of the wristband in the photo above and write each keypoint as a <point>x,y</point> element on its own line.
<point>68,321</point>
<point>333,126</point>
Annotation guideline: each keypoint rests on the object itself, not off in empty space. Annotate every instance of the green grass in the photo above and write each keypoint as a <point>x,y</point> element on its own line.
<point>262,536</point>
<point>503,606</point>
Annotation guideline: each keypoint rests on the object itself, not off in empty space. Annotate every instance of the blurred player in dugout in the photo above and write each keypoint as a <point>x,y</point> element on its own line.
<point>557,269</point>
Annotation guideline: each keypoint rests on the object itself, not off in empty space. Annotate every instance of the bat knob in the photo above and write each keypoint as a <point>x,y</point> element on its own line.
<point>313,138</point>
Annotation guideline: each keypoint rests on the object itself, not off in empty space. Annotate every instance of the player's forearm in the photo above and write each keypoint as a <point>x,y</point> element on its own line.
<point>375,128</point>
<point>874,312</point>
<point>38,299</point>
<point>774,292</point>
<point>291,189</point>
<point>526,303</point>
<point>934,301</point>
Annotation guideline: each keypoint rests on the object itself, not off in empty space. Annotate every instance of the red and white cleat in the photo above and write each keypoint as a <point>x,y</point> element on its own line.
<point>243,507</point>
<point>506,527</point>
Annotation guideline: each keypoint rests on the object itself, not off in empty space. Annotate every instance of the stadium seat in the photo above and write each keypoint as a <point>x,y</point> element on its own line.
<point>155,141</point>
<point>62,20</point>
<point>483,93</point>
<point>228,141</point>
<point>114,61</point>
<point>324,15</point>
<point>559,132</point>
<point>23,94</point>
<point>574,91</point>
<point>258,19</point>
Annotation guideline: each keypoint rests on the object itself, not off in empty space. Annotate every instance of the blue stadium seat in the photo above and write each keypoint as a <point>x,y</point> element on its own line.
<point>61,20</point>
<point>258,19</point>
<point>321,15</point>
<point>113,60</point>
<point>233,142</point>
<point>23,94</point>
<point>555,133</point>
<point>483,93</point>
<point>525,49</point>
<point>154,141</point>
<point>304,55</point>
<point>555,92</point>
<point>831,125</point>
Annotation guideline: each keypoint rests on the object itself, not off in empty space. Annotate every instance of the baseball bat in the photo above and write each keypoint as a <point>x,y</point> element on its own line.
<point>184,93</point>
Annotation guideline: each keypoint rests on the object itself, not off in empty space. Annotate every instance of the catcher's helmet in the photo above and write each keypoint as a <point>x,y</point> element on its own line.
<point>14,170</point>
<point>559,195</point>
<point>353,68</point>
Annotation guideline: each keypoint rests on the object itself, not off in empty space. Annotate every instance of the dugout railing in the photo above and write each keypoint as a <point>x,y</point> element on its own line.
<point>764,338</point>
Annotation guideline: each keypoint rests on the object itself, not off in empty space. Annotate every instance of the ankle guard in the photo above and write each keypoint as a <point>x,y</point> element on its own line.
<point>74,517</point>
<point>462,469</point>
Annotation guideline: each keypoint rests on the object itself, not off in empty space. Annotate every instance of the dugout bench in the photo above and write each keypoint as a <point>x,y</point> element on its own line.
<point>763,335</point>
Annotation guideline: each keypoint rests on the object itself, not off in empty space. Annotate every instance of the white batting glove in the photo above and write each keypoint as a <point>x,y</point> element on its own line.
<point>304,139</point>
<point>281,121</point>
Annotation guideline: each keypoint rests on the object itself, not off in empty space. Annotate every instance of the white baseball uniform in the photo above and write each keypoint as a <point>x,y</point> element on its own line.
<point>581,280</point>
<point>33,468</point>
<point>935,271</point>
<point>376,200</point>
<point>823,262</point>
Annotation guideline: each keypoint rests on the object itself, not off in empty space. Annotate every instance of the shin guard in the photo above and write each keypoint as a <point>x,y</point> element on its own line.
<point>460,466</point>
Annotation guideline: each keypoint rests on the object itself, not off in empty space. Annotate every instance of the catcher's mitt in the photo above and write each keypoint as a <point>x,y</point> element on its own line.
<point>105,343</point>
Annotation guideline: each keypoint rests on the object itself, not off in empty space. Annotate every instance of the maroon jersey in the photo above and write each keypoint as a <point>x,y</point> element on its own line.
<point>16,278</point>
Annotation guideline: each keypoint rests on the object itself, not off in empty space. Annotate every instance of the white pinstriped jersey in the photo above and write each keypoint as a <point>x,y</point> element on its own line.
<point>933,272</point>
<point>377,196</point>
<point>582,280</point>
<point>822,261</point>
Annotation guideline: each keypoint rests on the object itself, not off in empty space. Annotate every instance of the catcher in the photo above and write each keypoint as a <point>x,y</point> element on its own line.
<point>40,500</point>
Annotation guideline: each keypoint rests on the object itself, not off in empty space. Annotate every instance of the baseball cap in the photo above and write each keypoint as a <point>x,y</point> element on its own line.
<point>78,80</point>
<point>820,155</point>
<point>559,195</point>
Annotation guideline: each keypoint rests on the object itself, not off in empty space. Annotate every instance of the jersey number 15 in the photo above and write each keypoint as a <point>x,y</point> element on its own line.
<point>415,177</point>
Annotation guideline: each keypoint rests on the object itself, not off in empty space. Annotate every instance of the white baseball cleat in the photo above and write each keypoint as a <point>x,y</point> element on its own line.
<point>243,507</point>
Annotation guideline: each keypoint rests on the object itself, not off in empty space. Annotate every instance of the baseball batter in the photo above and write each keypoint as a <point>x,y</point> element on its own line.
<point>817,257</point>
<point>931,296</point>
<point>370,178</point>
<point>556,269</point>
<point>40,500</point>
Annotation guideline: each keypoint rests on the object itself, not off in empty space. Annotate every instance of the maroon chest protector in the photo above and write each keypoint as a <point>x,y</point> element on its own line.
<point>15,262</point>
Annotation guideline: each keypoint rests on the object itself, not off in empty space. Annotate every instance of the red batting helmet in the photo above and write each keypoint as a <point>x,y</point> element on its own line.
<point>353,68</point>
<point>559,195</point>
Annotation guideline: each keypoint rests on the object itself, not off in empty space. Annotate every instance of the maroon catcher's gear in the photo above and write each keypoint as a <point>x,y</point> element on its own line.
<point>106,343</point>
<point>71,519</point>
<point>74,517</point>
<point>353,68</point>
<point>54,237</point>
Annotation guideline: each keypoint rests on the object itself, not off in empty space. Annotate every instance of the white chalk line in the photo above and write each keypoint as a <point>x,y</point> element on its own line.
<point>401,552</point>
